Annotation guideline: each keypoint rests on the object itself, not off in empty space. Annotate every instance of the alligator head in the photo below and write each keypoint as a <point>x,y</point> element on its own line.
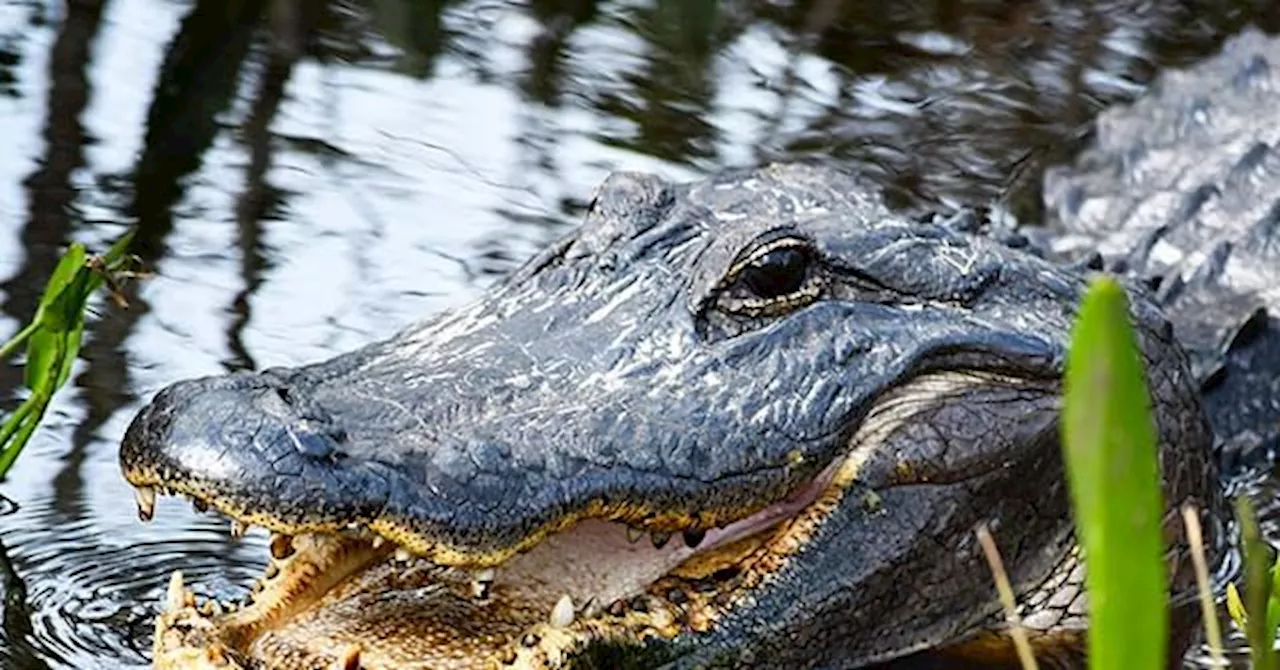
<point>755,419</point>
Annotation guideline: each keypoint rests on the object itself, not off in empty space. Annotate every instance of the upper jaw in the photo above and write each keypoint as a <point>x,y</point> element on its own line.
<point>673,601</point>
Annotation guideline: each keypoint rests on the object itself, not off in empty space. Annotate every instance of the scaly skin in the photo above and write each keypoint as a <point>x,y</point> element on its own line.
<point>897,381</point>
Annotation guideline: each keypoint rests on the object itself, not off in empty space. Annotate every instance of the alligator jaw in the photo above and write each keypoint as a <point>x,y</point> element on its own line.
<point>352,599</point>
<point>653,371</point>
<point>598,580</point>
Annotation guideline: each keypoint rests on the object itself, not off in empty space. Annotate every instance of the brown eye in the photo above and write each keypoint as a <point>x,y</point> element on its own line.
<point>776,273</point>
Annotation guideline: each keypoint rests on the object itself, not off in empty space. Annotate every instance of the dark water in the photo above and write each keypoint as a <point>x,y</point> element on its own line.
<point>307,177</point>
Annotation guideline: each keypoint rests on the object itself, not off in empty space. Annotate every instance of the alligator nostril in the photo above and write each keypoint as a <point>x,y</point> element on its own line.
<point>312,444</point>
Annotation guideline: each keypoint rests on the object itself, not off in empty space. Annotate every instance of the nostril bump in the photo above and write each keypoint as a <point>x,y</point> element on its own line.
<point>312,444</point>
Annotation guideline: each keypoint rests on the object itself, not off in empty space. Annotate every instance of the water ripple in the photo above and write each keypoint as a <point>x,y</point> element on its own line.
<point>93,595</point>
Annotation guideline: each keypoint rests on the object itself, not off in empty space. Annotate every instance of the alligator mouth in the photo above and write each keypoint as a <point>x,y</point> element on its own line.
<point>352,599</point>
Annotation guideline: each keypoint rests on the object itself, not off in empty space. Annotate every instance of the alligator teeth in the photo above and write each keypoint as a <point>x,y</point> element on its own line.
<point>378,541</point>
<point>403,555</point>
<point>146,497</point>
<point>238,528</point>
<point>350,659</point>
<point>562,613</point>
<point>660,539</point>
<point>281,546</point>
<point>175,598</point>
<point>634,534</point>
<point>271,570</point>
<point>693,537</point>
<point>482,583</point>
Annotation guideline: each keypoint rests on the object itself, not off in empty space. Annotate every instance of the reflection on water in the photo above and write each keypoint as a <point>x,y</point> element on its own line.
<point>307,177</point>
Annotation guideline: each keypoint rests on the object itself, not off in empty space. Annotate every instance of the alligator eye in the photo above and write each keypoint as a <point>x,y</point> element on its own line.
<point>772,279</point>
<point>777,272</point>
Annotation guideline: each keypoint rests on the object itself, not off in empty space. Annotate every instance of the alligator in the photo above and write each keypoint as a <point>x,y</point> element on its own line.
<point>751,421</point>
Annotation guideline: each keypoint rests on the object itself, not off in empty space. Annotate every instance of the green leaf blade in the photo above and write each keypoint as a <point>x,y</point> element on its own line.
<point>1109,445</point>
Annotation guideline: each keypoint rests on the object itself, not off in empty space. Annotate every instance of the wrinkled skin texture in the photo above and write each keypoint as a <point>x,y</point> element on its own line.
<point>458,438</point>
<point>618,376</point>
<point>591,375</point>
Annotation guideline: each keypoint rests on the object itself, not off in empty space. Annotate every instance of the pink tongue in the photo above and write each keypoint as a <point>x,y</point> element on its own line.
<point>770,515</point>
<point>595,562</point>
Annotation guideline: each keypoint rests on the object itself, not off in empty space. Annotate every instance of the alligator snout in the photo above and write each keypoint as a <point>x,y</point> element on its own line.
<point>250,442</point>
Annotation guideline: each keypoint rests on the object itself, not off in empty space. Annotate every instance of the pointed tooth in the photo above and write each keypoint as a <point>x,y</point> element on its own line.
<point>403,555</point>
<point>271,570</point>
<point>176,596</point>
<point>634,534</point>
<point>281,546</point>
<point>562,613</point>
<point>238,528</point>
<point>215,607</point>
<point>693,537</point>
<point>482,582</point>
<point>350,659</point>
<point>146,497</point>
<point>378,541</point>
<point>660,539</point>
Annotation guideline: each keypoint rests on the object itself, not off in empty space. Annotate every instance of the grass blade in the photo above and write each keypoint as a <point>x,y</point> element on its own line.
<point>1212,630</point>
<point>1257,588</point>
<point>1110,452</point>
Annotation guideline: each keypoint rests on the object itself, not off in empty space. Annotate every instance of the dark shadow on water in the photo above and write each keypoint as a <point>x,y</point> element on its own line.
<point>15,620</point>
<point>289,34</point>
<point>197,81</point>
<point>52,211</point>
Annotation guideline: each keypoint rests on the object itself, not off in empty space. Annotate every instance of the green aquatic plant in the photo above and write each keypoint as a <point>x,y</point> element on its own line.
<point>1109,446</point>
<point>1258,612</point>
<point>53,336</point>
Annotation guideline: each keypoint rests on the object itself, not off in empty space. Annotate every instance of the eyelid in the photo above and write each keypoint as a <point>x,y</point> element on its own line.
<point>758,252</point>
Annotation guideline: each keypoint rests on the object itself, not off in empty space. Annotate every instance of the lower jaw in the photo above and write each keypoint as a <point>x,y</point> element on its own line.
<point>335,594</point>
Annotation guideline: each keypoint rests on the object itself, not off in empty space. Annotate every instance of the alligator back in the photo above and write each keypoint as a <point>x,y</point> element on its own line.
<point>1183,189</point>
